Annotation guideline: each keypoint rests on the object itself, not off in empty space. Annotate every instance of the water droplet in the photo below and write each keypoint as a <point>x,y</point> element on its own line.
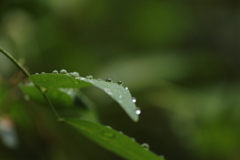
<point>26,97</point>
<point>133,139</point>
<point>74,74</point>
<point>109,80</point>
<point>108,134</point>
<point>99,79</point>
<point>80,78</point>
<point>67,74</point>
<point>109,127</point>
<point>43,73</point>
<point>134,100</point>
<point>89,77</point>
<point>63,71</point>
<point>126,88</point>
<point>55,72</point>
<point>120,132</point>
<point>145,145</point>
<point>120,82</point>
<point>138,111</point>
<point>36,73</point>
<point>120,96</point>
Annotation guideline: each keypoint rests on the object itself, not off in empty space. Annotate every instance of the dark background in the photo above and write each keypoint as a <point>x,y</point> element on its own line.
<point>179,58</point>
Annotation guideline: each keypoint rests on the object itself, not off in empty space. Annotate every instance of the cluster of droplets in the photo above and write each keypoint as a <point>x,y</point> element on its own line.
<point>134,100</point>
<point>90,77</point>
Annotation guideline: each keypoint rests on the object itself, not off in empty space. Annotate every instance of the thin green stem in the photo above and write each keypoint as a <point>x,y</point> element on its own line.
<point>27,74</point>
<point>15,62</point>
<point>52,107</point>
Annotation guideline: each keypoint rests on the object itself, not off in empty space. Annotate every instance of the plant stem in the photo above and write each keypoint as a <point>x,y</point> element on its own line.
<point>52,107</point>
<point>15,62</point>
<point>27,74</point>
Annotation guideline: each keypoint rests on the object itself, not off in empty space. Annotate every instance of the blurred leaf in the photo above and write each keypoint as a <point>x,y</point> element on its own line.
<point>57,97</point>
<point>112,140</point>
<point>116,91</point>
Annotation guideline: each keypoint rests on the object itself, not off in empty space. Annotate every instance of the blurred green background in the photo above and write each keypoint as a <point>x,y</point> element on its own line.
<point>179,58</point>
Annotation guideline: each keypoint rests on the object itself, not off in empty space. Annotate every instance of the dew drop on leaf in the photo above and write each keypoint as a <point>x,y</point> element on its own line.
<point>89,77</point>
<point>109,127</point>
<point>126,88</point>
<point>120,96</point>
<point>145,145</point>
<point>108,134</point>
<point>120,82</point>
<point>36,73</point>
<point>74,74</point>
<point>134,100</point>
<point>43,73</point>
<point>138,111</point>
<point>109,80</point>
<point>55,72</point>
<point>63,71</point>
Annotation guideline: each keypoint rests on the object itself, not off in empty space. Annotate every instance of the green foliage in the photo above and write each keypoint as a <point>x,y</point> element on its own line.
<point>112,140</point>
<point>57,89</point>
<point>53,82</point>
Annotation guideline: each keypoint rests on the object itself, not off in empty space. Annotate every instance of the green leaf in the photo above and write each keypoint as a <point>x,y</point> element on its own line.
<point>54,81</point>
<point>57,97</point>
<point>112,140</point>
<point>116,91</point>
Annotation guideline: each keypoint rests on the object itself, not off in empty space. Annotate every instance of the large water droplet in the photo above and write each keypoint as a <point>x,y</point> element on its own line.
<point>63,71</point>
<point>120,82</point>
<point>74,74</point>
<point>55,72</point>
<point>138,111</point>
<point>108,134</point>
<point>134,100</point>
<point>145,145</point>
<point>89,77</point>
<point>109,80</point>
<point>126,88</point>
